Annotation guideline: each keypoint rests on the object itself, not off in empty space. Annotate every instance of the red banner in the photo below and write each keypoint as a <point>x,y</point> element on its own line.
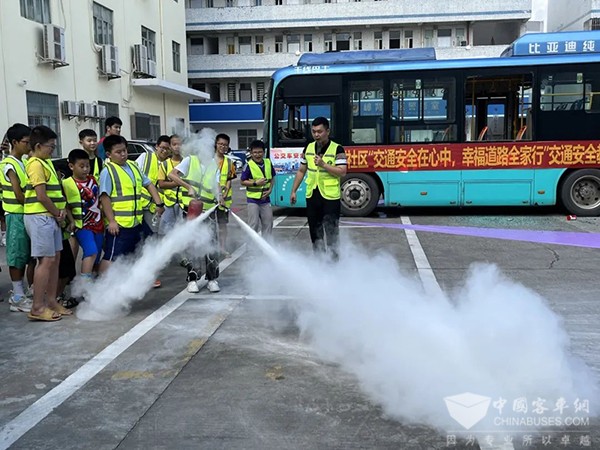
<point>474,155</point>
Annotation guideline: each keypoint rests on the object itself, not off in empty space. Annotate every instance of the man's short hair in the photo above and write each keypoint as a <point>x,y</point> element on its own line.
<point>40,135</point>
<point>78,154</point>
<point>163,138</point>
<point>87,133</point>
<point>321,121</point>
<point>112,140</point>
<point>110,121</point>
<point>223,136</point>
<point>17,132</point>
<point>174,136</point>
<point>257,144</point>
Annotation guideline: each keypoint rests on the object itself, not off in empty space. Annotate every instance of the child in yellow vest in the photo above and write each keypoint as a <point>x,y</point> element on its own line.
<point>44,213</point>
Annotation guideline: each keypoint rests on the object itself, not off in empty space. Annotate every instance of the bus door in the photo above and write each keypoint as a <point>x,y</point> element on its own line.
<point>497,113</point>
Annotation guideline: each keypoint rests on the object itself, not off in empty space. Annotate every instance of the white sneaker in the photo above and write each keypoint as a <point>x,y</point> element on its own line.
<point>213,286</point>
<point>20,303</point>
<point>193,288</point>
<point>29,292</point>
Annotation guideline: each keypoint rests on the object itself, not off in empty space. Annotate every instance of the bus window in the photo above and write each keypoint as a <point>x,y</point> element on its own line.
<point>423,110</point>
<point>293,121</point>
<point>498,108</point>
<point>570,91</point>
<point>366,99</point>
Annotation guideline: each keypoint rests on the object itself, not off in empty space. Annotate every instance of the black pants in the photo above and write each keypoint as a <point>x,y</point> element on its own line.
<point>324,222</point>
<point>211,260</point>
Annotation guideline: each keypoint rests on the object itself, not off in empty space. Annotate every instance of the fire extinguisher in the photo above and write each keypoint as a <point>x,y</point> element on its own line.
<point>194,209</point>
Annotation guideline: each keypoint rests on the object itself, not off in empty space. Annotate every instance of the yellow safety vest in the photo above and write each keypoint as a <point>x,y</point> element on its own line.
<point>256,192</point>
<point>151,166</point>
<point>169,196</point>
<point>126,195</point>
<point>9,198</point>
<point>53,190</point>
<point>97,162</point>
<point>74,200</point>
<point>193,178</point>
<point>207,194</point>
<point>329,185</point>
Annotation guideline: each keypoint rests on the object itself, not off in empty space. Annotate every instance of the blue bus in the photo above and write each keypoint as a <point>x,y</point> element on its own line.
<point>519,129</point>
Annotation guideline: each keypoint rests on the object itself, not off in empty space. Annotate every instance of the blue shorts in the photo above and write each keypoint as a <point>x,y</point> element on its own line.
<point>91,243</point>
<point>123,243</point>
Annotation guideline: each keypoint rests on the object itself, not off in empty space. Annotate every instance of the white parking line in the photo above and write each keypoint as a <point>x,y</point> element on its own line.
<point>35,413</point>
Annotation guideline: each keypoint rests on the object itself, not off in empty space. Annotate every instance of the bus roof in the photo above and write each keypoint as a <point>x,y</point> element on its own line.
<point>367,56</point>
<point>529,50</point>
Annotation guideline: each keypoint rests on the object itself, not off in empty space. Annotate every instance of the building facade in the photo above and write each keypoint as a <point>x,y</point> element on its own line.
<point>574,15</point>
<point>69,64</point>
<point>234,46</point>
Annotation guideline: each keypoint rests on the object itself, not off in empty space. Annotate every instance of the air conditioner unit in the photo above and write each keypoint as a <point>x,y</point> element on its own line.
<point>152,68</point>
<point>140,59</point>
<point>86,110</point>
<point>54,43</point>
<point>99,111</point>
<point>70,108</point>
<point>109,60</point>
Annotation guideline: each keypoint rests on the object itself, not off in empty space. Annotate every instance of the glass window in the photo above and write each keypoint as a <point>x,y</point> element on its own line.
<point>103,25</point>
<point>342,41</point>
<point>42,109</point>
<point>230,45</point>
<point>38,10</point>
<point>260,91</point>
<point>293,43</point>
<point>149,40</point>
<point>308,45</point>
<point>357,40</point>
<point>366,99</point>
<point>245,92</point>
<point>176,56</point>
<point>197,46</point>
<point>278,44</point>
<point>245,138</point>
<point>408,39</point>
<point>231,92</point>
<point>423,110</point>
<point>328,42</point>
<point>444,37</point>
<point>245,43</point>
<point>259,44</point>
<point>293,121</point>
<point>570,91</point>
<point>394,39</point>
<point>378,36</point>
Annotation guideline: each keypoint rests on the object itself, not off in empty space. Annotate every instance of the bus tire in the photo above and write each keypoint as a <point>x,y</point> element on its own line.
<point>580,192</point>
<point>360,195</point>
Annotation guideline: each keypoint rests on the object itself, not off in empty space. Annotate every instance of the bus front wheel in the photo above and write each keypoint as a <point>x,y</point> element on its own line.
<point>360,194</point>
<point>580,192</point>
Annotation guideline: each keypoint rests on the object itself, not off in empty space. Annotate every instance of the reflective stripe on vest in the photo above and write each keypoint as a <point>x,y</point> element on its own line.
<point>74,200</point>
<point>151,166</point>
<point>97,162</point>
<point>126,195</point>
<point>329,185</point>
<point>207,194</point>
<point>53,190</point>
<point>9,198</point>
<point>193,178</point>
<point>169,195</point>
<point>256,192</point>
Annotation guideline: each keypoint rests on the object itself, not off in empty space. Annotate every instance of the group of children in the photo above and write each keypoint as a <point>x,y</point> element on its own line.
<point>107,207</point>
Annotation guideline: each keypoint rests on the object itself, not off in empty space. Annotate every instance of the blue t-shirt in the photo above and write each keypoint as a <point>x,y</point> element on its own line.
<point>247,175</point>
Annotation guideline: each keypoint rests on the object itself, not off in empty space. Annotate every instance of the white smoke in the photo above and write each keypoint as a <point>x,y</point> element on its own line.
<point>494,337</point>
<point>201,144</point>
<point>129,278</point>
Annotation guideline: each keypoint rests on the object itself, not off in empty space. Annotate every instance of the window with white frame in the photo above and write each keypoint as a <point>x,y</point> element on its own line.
<point>176,56</point>
<point>357,40</point>
<point>394,39</point>
<point>245,138</point>
<point>278,44</point>
<point>230,43</point>
<point>259,45</point>
<point>342,41</point>
<point>103,25</point>
<point>149,40</point>
<point>293,43</point>
<point>444,37</point>
<point>408,39</point>
<point>308,44</point>
<point>245,92</point>
<point>38,10</point>
<point>245,43</point>
<point>328,39</point>
<point>378,40</point>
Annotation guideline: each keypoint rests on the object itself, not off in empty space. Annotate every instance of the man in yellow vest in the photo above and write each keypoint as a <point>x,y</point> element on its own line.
<point>326,164</point>
<point>211,182</point>
<point>258,176</point>
<point>169,188</point>
<point>121,183</point>
<point>44,215</point>
<point>14,182</point>
<point>149,163</point>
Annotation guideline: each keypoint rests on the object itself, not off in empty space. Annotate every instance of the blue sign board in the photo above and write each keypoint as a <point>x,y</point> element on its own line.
<point>565,43</point>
